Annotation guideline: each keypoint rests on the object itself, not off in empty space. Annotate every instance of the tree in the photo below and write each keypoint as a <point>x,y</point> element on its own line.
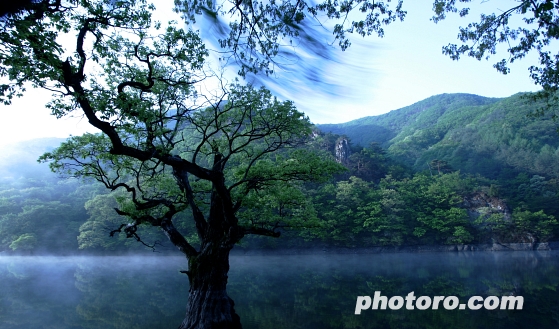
<point>234,166</point>
<point>537,30</point>
<point>169,148</point>
<point>13,7</point>
<point>41,215</point>
<point>440,166</point>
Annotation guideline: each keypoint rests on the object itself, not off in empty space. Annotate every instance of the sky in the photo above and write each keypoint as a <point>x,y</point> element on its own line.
<point>374,76</point>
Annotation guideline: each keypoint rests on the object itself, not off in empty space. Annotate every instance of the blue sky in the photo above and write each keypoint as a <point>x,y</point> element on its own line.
<point>374,77</point>
<point>407,66</point>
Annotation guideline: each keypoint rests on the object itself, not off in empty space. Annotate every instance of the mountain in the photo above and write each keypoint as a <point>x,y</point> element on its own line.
<point>383,128</point>
<point>377,201</point>
<point>488,136</point>
<point>20,159</point>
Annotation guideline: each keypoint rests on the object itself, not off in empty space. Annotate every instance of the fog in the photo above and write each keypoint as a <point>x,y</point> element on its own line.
<point>19,160</point>
<point>273,291</point>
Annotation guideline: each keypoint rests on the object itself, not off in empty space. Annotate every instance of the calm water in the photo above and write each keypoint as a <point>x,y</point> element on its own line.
<point>279,291</point>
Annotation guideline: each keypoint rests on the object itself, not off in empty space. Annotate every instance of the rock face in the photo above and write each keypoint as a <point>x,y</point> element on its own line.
<point>342,151</point>
<point>482,209</point>
<point>482,205</point>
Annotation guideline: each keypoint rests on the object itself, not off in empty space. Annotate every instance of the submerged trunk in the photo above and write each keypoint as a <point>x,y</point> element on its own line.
<point>209,306</point>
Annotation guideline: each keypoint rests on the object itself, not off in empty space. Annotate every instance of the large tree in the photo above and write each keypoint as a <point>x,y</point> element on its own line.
<point>234,167</point>
<point>231,157</point>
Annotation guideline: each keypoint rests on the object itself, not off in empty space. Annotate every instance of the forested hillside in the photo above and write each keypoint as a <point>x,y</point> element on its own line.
<point>491,137</point>
<point>383,128</point>
<point>452,169</point>
<point>506,155</point>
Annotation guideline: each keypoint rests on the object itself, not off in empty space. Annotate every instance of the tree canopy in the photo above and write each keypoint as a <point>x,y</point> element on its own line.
<point>262,36</point>
<point>243,151</point>
<point>256,36</point>
<point>523,27</point>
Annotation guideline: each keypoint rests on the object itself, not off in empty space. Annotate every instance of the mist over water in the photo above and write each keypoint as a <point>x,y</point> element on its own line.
<point>293,291</point>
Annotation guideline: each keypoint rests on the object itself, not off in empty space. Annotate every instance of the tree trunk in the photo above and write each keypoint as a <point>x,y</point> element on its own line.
<point>209,306</point>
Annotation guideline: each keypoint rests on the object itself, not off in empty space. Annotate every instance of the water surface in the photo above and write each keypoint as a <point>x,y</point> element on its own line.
<point>298,291</point>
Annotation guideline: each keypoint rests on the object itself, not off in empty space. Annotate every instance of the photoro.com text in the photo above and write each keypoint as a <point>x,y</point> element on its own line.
<point>411,302</point>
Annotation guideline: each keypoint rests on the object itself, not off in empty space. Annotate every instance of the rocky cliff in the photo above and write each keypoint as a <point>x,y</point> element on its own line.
<point>481,206</point>
<point>342,150</point>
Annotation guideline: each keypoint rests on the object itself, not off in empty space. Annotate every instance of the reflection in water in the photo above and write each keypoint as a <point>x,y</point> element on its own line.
<point>300,291</point>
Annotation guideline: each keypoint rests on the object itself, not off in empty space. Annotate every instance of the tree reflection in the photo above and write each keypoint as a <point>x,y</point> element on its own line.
<point>280,292</point>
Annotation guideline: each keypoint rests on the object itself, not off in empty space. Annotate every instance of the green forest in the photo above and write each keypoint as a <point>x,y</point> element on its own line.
<point>454,169</point>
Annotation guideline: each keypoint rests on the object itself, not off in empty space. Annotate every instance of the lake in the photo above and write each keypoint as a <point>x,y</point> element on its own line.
<point>293,291</point>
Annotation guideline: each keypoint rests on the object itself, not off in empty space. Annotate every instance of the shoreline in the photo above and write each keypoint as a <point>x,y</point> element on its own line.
<point>239,251</point>
<point>492,247</point>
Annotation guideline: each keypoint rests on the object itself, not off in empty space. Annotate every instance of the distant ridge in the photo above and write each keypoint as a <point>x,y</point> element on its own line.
<point>382,128</point>
<point>20,159</point>
<point>474,134</point>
